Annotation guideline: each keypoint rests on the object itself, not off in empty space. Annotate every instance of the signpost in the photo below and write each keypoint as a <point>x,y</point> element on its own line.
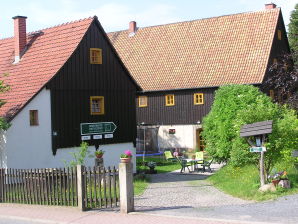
<point>258,131</point>
<point>99,130</point>
<point>257,149</point>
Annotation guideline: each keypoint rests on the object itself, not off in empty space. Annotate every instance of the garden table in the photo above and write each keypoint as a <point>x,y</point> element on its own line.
<point>194,162</point>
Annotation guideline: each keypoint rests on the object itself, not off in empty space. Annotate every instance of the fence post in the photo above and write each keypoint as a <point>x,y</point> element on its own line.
<point>2,171</point>
<point>126,187</point>
<point>81,187</point>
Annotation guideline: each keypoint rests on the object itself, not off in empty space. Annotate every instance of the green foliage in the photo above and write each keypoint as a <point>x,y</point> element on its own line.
<point>293,30</point>
<point>3,88</point>
<point>219,130</point>
<point>243,182</point>
<point>237,105</point>
<point>79,155</point>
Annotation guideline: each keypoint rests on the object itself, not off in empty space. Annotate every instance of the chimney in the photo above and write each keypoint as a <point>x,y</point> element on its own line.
<point>19,36</point>
<point>270,6</point>
<point>132,28</point>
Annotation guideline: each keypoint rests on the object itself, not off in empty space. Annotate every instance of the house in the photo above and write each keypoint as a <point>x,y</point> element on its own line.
<point>67,85</point>
<point>180,65</point>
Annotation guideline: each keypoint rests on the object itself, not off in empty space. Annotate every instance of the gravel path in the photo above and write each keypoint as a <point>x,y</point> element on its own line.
<point>192,196</point>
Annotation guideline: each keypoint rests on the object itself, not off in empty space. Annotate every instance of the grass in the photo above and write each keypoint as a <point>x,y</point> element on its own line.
<point>162,166</point>
<point>243,182</point>
<point>140,184</point>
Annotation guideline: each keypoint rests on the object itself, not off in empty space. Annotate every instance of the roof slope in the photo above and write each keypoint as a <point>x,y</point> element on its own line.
<point>45,56</point>
<point>210,52</point>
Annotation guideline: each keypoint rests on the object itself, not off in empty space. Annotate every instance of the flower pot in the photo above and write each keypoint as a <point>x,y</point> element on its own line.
<point>99,156</point>
<point>125,160</point>
<point>275,182</point>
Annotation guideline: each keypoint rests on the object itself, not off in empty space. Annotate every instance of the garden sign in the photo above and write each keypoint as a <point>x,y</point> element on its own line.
<point>258,132</point>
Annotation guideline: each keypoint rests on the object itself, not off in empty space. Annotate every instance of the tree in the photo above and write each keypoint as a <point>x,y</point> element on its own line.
<point>236,105</point>
<point>3,88</point>
<point>218,129</point>
<point>283,78</point>
<point>293,30</point>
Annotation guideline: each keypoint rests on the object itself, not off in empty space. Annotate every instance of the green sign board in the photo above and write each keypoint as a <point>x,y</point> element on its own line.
<point>97,128</point>
<point>257,149</point>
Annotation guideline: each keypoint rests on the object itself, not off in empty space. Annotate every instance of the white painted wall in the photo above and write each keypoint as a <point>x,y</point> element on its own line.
<point>185,136</point>
<point>25,146</point>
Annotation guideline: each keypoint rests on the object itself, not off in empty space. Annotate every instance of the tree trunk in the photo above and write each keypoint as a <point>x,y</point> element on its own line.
<point>262,176</point>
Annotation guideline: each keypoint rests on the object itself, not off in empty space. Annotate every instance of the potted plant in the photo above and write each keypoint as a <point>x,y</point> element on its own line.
<point>99,153</point>
<point>151,166</point>
<point>126,156</point>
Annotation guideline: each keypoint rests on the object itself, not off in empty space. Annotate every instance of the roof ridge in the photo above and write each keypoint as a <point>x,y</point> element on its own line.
<point>174,23</point>
<point>51,27</point>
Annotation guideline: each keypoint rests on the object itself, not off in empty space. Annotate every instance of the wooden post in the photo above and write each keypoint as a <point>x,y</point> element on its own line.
<point>1,184</point>
<point>126,187</point>
<point>262,173</point>
<point>81,187</point>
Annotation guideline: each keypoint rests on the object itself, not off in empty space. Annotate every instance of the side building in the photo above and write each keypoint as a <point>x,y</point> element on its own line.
<point>61,79</point>
<point>179,66</point>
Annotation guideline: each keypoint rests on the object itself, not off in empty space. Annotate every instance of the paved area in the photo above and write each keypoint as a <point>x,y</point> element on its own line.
<point>191,195</point>
<point>25,214</point>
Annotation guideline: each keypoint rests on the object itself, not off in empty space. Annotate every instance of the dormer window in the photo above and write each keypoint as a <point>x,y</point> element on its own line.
<point>95,56</point>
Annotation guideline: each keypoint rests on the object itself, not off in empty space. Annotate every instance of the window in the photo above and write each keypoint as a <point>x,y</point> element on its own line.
<point>274,61</point>
<point>198,98</point>
<point>95,56</point>
<point>170,100</point>
<point>279,34</point>
<point>143,101</point>
<point>97,105</point>
<point>271,94</point>
<point>33,117</point>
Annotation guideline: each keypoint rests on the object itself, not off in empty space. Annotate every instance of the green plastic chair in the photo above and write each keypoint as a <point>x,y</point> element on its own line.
<point>200,156</point>
<point>184,164</point>
<point>169,156</point>
<point>207,164</point>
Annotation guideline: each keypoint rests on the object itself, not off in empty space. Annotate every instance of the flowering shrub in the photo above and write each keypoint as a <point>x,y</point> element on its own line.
<point>278,175</point>
<point>126,154</point>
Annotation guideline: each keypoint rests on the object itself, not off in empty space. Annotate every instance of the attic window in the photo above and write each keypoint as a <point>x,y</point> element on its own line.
<point>97,105</point>
<point>170,100</point>
<point>279,34</point>
<point>143,101</point>
<point>33,117</point>
<point>198,98</point>
<point>95,56</point>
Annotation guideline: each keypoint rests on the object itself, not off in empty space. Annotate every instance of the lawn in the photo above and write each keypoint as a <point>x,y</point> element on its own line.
<point>162,166</point>
<point>243,182</point>
<point>141,181</point>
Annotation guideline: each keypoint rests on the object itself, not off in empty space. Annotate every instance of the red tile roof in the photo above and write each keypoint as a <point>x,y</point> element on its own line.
<point>231,49</point>
<point>43,59</point>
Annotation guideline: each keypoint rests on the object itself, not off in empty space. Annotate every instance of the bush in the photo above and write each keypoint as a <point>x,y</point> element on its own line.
<point>236,105</point>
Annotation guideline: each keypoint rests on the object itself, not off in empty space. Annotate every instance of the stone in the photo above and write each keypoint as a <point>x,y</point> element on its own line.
<point>284,184</point>
<point>267,187</point>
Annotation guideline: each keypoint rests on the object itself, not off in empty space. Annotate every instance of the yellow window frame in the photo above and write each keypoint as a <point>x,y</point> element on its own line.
<point>198,98</point>
<point>279,36</point>
<point>101,105</point>
<point>140,101</point>
<point>170,100</point>
<point>95,56</point>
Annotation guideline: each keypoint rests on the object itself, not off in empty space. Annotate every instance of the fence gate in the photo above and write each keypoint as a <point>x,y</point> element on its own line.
<point>39,186</point>
<point>101,187</point>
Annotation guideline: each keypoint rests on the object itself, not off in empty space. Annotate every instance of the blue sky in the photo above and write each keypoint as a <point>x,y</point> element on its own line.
<point>116,14</point>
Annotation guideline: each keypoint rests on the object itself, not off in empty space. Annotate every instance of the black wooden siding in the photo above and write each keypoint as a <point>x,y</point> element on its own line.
<point>183,112</point>
<point>78,80</point>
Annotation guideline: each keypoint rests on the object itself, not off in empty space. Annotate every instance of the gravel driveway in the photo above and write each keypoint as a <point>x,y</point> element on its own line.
<point>190,195</point>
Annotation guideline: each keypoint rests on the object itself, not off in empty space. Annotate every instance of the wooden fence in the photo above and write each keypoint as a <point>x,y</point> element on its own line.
<point>60,186</point>
<point>100,187</point>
